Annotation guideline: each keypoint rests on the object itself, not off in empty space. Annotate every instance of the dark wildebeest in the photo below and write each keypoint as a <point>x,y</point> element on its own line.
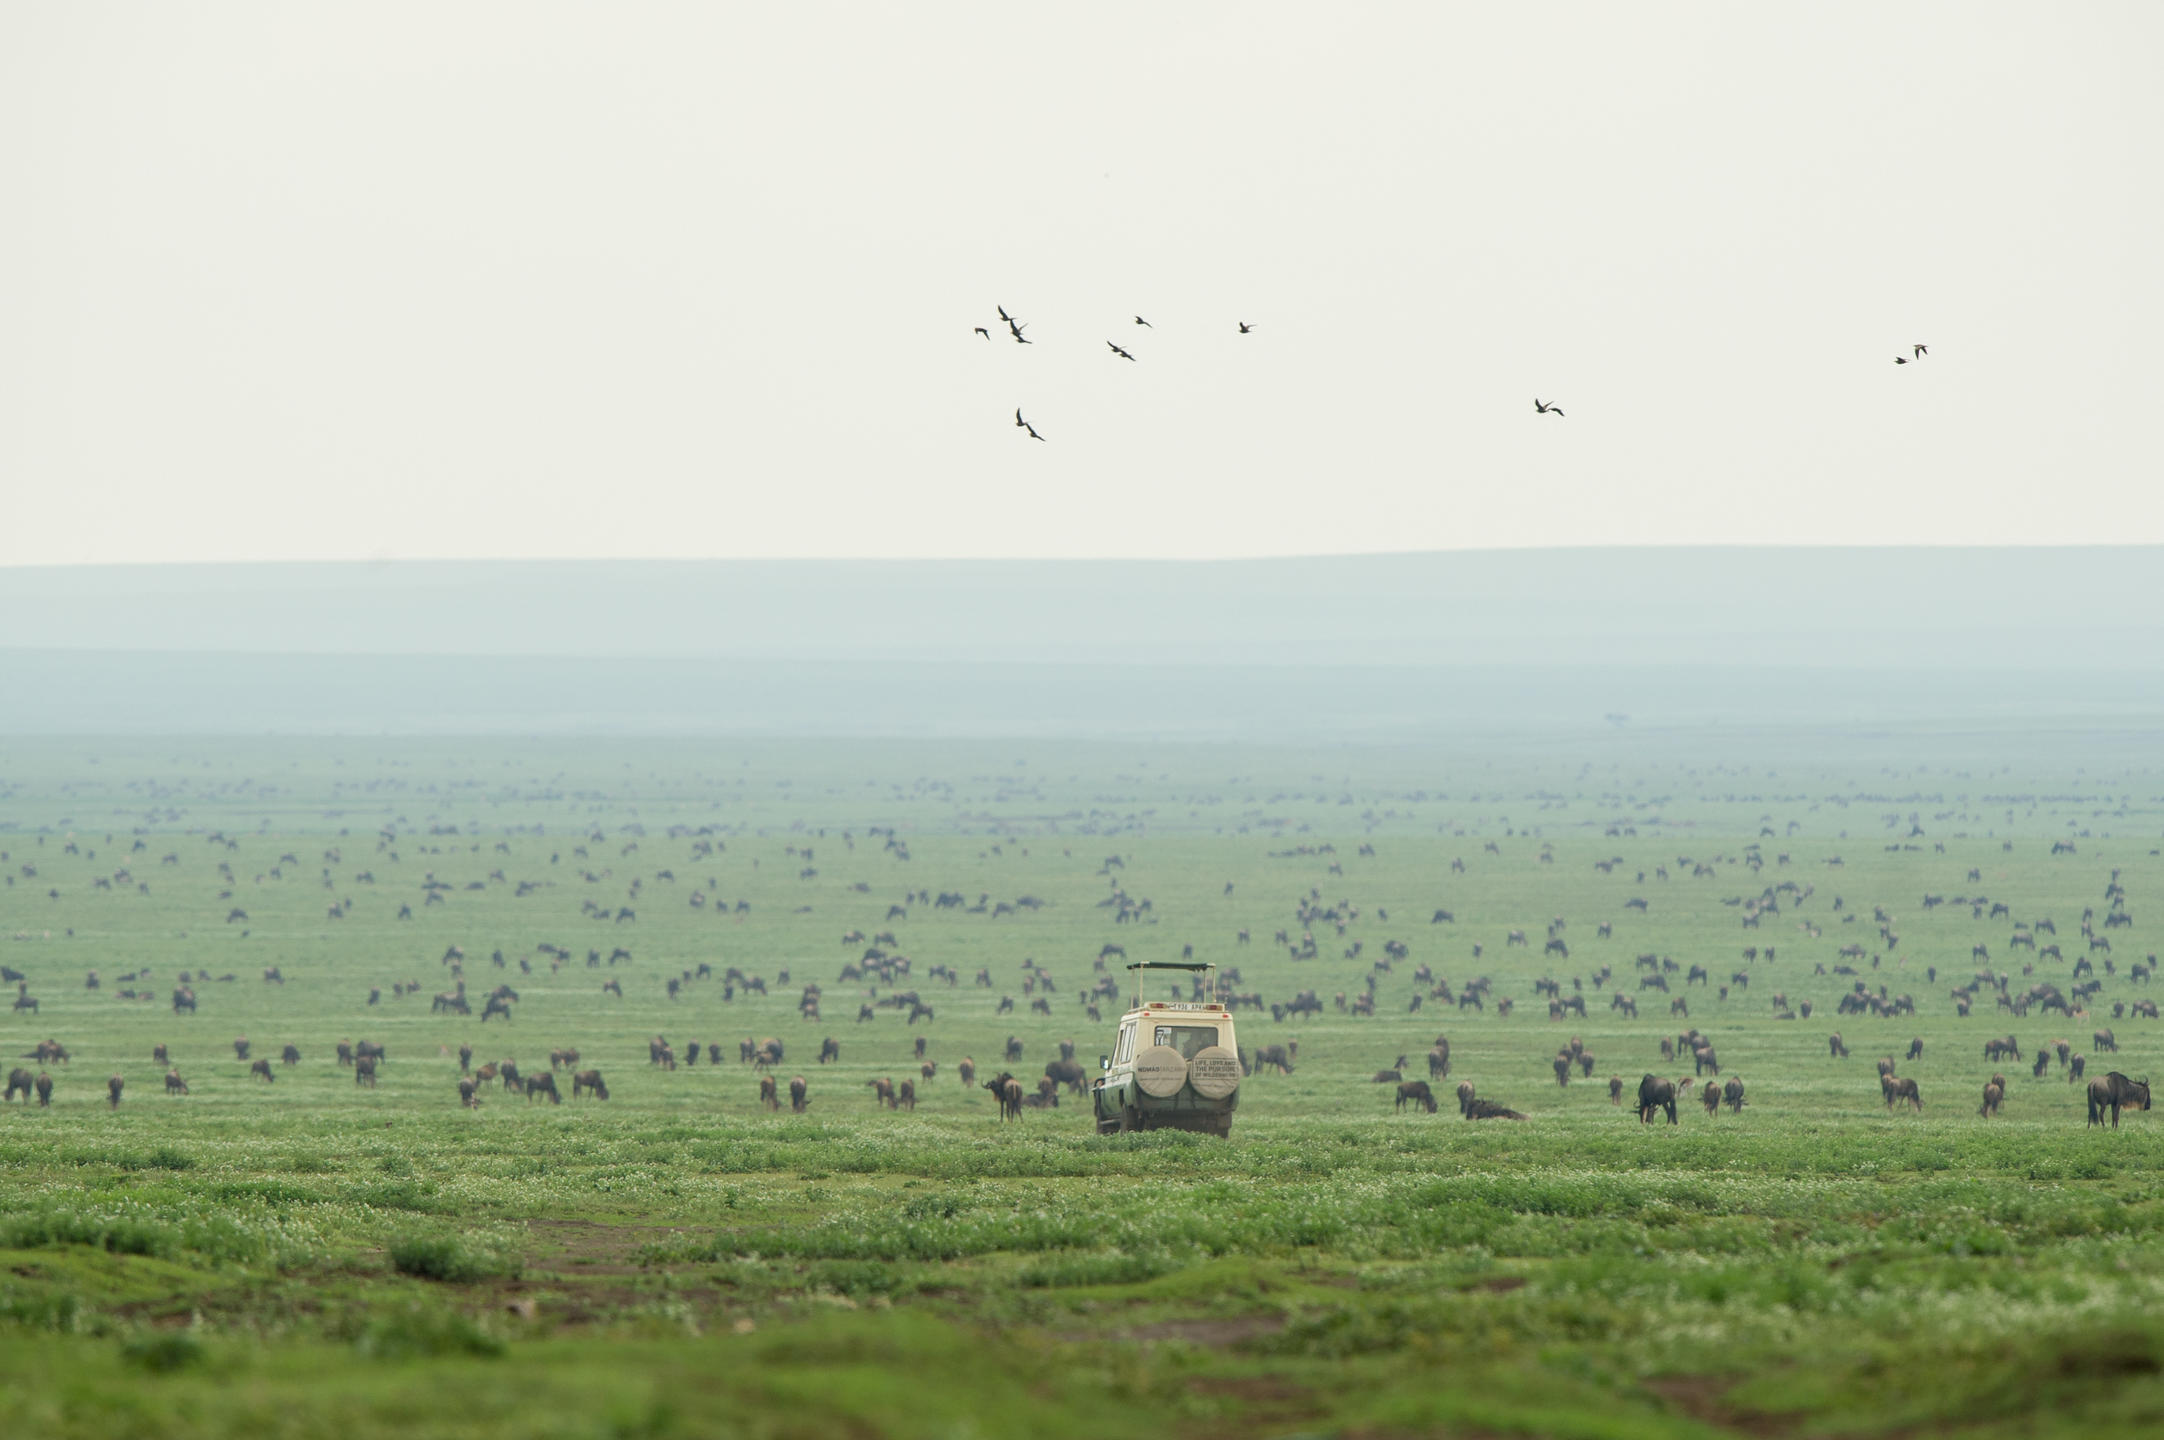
<point>112,1091</point>
<point>589,1081</point>
<point>1897,1089</point>
<point>1732,1092</point>
<point>1585,1063</point>
<point>1416,1092</point>
<point>1703,1059</point>
<point>45,1090</point>
<point>2104,1041</point>
<point>1478,1109</point>
<point>2002,1049</point>
<point>240,1048</point>
<point>469,1092</point>
<point>18,1079</point>
<point>291,1055</point>
<point>1067,1073</point>
<point>1465,1095</point>
<point>768,1095</point>
<point>830,1049</point>
<point>968,1071</point>
<point>1562,1069</point>
<point>263,1068</point>
<point>1838,1050</point>
<point>1916,1048</point>
<point>1655,1093</point>
<point>1008,1091</point>
<point>157,1054</point>
<point>2114,1090</point>
<point>799,1094</point>
<point>1615,1090</point>
<point>1439,1061</point>
<point>345,1052</point>
<point>1014,1050</point>
<point>882,1091</point>
<point>174,1085</point>
<point>905,1096</point>
<point>364,1071</point>
<point>2043,1063</point>
<point>1275,1057</point>
<point>544,1084</point>
<point>2076,1068</point>
<point>1994,1097</point>
<point>1711,1095</point>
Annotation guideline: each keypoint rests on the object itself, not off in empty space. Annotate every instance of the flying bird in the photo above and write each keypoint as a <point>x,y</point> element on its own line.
<point>1019,422</point>
<point>1901,359</point>
<point>1122,353</point>
<point>984,332</point>
<point>1245,328</point>
<point>1542,407</point>
<point>1140,321</point>
<point>1016,329</point>
<point>1032,432</point>
<point>1923,350</point>
<point>1003,314</point>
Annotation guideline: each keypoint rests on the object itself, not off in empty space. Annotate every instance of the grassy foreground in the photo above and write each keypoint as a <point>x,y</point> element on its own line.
<point>310,1256</point>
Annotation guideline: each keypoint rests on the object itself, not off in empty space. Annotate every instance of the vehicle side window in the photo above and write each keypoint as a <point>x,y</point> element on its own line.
<point>1126,1051</point>
<point>1187,1039</point>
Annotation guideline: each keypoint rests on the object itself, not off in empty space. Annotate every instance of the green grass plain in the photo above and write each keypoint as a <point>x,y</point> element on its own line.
<point>309,1255</point>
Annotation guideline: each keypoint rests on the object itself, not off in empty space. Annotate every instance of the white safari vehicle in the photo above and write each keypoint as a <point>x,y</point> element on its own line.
<point>1175,1064</point>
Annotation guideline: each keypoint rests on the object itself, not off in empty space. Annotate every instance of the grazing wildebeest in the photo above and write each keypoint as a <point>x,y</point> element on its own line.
<point>589,1081</point>
<point>1655,1093</point>
<point>1014,1050</point>
<point>2043,1063</point>
<point>174,1085</point>
<point>1067,1073</point>
<point>1916,1048</point>
<point>262,1068</point>
<point>2104,1040</point>
<point>291,1055</point>
<point>829,1049</point>
<point>1994,1097</point>
<point>469,1092</point>
<point>882,1091</point>
<point>544,1084</point>
<point>1008,1091</point>
<point>1416,1092</point>
<point>2001,1049</point>
<point>1615,1090</point>
<point>18,1079</point>
<point>1732,1092</point>
<point>799,1094</point>
<point>1703,1059</point>
<point>112,1091</point>
<point>2114,1090</point>
<point>1275,1057</point>
<point>1898,1088</point>
<point>769,1096</point>
<point>364,1071</point>
<point>1586,1063</point>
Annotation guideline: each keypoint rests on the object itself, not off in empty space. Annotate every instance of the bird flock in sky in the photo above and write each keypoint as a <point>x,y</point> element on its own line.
<point>1016,327</point>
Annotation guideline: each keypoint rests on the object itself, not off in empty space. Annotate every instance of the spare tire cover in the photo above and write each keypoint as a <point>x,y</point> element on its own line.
<point>1160,1072</point>
<point>1215,1072</point>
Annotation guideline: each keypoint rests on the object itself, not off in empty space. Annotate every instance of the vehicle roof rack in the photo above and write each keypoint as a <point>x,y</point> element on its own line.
<point>1172,965</point>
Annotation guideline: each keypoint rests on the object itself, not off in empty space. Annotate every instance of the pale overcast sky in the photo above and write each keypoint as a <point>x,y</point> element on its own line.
<point>298,280</point>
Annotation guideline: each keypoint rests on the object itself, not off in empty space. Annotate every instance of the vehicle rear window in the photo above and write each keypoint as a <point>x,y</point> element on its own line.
<point>1187,1039</point>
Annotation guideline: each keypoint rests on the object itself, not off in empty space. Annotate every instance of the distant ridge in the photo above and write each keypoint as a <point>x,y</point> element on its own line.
<point>2024,609</point>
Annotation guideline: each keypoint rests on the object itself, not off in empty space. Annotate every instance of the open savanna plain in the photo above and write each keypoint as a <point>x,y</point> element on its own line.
<point>307,1255</point>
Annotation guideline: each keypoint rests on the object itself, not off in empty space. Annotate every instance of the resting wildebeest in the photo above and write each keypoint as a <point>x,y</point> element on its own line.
<point>2115,1090</point>
<point>1655,1093</point>
<point>1732,1092</point>
<point>1898,1088</point>
<point>1415,1092</point>
<point>1478,1109</point>
<point>1994,1096</point>
<point>589,1081</point>
<point>799,1094</point>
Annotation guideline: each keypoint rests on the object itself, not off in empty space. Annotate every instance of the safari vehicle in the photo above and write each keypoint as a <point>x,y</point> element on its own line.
<point>1175,1064</point>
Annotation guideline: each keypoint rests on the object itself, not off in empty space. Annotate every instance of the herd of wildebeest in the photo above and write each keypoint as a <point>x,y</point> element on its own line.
<point>882,967</point>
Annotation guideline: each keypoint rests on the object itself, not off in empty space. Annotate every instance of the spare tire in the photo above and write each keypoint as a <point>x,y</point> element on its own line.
<point>1160,1071</point>
<point>1215,1072</point>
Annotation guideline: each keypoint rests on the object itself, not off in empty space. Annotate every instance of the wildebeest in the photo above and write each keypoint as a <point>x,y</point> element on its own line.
<point>1275,1057</point>
<point>18,1079</point>
<point>1008,1091</point>
<point>769,1096</point>
<point>2114,1090</point>
<point>1732,1092</point>
<point>262,1069</point>
<point>158,1054</point>
<point>45,1090</point>
<point>967,1069</point>
<point>1656,1093</point>
<point>1994,1097</point>
<point>291,1055</point>
<point>1479,1109</point>
<point>882,1091</point>
<point>589,1081</point>
<point>2076,1068</point>
<point>1711,1095</point>
<point>364,1071</point>
<point>240,1048</point>
<point>112,1091</point>
<point>2002,1049</point>
<point>1439,1060</point>
<point>830,1049</point>
<point>174,1085</point>
<point>799,1094</point>
<point>2104,1040</point>
<point>1835,1046</point>
<point>905,1095</point>
<point>1465,1095</point>
<point>1916,1048</point>
<point>469,1092</point>
<point>1897,1088</point>
<point>1615,1090</point>
<point>1562,1069</point>
<point>544,1084</point>
<point>1416,1092</point>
